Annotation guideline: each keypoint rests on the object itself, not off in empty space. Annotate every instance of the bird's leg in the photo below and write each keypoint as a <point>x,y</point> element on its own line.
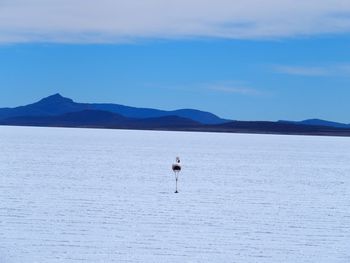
<point>176,178</point>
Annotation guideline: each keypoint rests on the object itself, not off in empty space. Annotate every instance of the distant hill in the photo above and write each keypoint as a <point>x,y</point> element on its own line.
<point>132,112</point>
<point>100,119</point>
<point>57,105</point>
<point>319,122</point>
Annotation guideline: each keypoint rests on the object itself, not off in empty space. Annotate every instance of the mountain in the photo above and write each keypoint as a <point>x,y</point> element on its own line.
<point>132,112</point>
<point>100,119</point>
<point>57,111</point>
<point>319,122</point>
<point>57,105</point>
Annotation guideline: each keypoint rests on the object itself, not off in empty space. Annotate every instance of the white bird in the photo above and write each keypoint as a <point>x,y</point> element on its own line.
<point>176,168</point>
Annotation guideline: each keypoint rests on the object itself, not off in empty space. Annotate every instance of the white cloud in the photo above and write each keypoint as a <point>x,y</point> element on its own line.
<point>82,21</point>
<point>302,71</point>
<point>229,87</point>
<point>234,90</point>
<point>314,71</point>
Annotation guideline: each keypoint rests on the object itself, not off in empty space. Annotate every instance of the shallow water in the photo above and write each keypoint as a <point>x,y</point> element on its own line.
<point>90,195</point>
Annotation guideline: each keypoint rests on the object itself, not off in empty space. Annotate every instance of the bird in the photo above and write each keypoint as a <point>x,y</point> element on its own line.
<point>176,169</point>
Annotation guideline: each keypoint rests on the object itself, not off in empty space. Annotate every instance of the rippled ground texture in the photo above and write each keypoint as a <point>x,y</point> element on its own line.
<point>85,195</point>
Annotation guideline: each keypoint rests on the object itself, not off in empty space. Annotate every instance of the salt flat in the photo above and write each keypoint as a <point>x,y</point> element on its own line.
<point>89,195</point>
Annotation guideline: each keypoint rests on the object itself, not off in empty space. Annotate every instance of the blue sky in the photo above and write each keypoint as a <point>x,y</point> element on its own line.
<point>235,70</point>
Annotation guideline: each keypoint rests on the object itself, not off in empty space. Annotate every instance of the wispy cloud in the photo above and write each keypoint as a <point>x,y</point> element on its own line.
<point>114,21</point>
<point>302,71</point>
<point>314,71</point>
<point>234,90</point>
<point>228,87</point>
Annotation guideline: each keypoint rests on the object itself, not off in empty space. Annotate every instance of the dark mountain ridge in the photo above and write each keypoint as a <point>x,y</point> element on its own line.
<point>100,119</point>
<point>319,122</point>
<point>57,111</point>
<point>57,105</point>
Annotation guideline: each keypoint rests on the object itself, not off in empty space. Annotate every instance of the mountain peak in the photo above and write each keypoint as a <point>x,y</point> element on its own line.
<point>57,95</point>
<point>56,98</point>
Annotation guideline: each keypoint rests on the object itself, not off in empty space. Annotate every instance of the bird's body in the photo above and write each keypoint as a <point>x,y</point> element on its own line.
<point>176,167</point>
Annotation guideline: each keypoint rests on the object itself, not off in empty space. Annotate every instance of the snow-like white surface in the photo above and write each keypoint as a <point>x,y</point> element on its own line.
<point>85,195</point>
